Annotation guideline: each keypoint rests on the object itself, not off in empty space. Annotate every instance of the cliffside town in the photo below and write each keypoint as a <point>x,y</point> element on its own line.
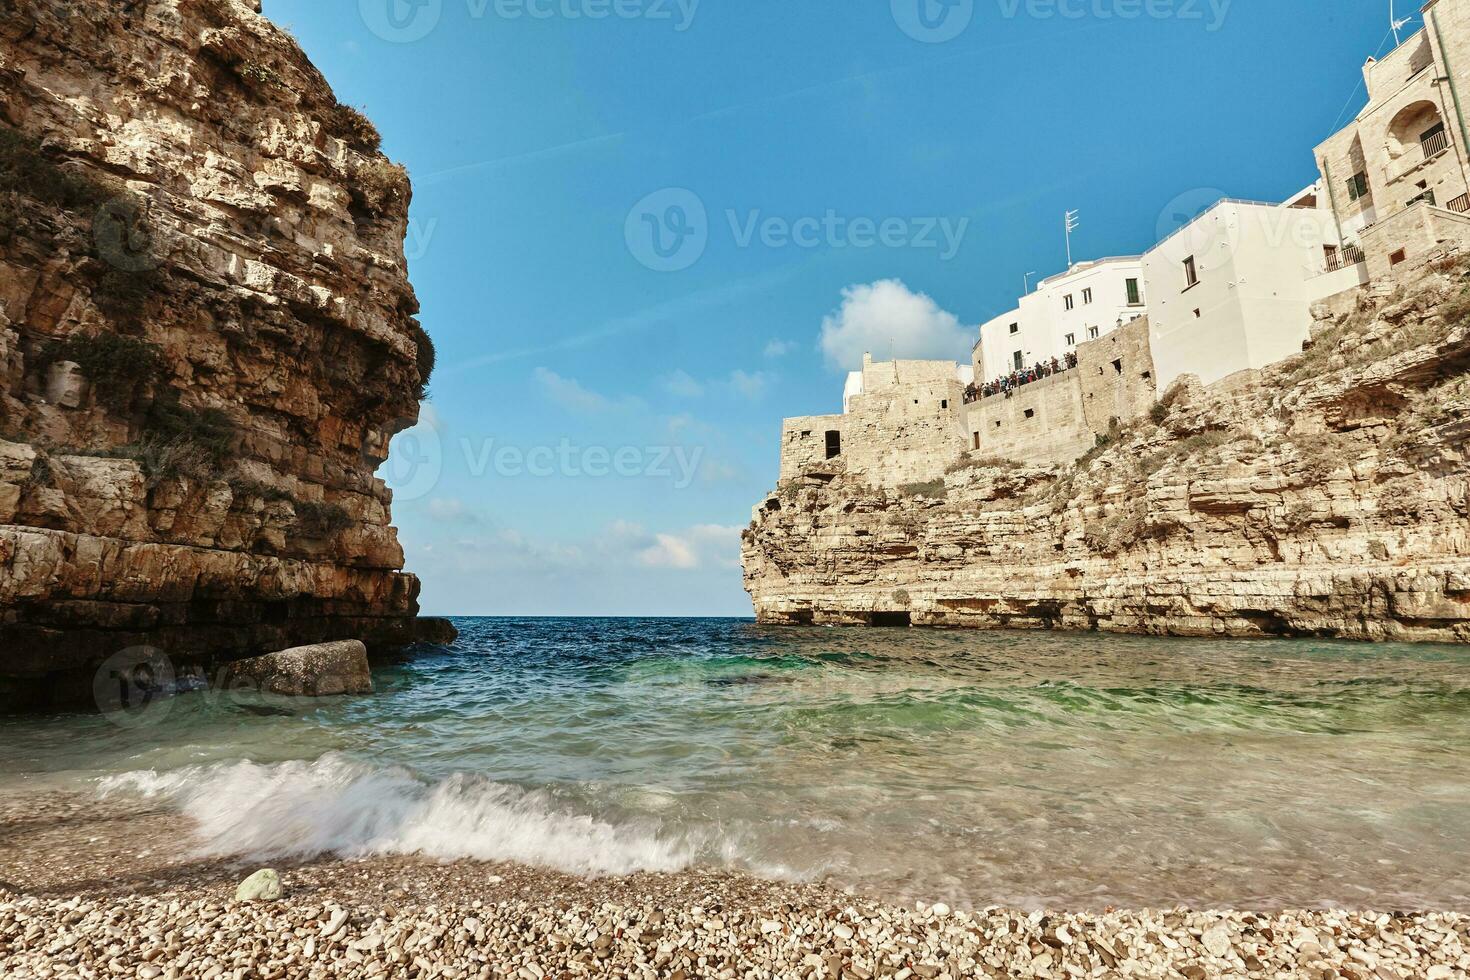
<point>207,339</point>
<point>1326,495</point>
<point>1142,445</point>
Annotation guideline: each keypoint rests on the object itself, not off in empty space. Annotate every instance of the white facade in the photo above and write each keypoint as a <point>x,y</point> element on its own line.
<point>1088,301</point>
<point>1233,289</point>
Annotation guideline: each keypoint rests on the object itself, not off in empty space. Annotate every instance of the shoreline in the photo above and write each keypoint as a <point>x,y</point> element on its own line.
<point>70,899</point>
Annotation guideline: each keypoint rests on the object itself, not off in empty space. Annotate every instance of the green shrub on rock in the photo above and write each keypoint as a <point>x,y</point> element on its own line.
<point>119,368</point>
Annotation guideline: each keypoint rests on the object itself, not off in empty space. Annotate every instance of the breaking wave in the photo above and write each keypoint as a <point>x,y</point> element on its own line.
<point>338,806</point>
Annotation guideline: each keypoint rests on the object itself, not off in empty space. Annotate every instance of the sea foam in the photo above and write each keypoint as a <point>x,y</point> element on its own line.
<point>339,806</point>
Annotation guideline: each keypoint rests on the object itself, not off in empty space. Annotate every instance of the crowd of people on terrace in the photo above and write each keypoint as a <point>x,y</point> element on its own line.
<point>1008,383</point>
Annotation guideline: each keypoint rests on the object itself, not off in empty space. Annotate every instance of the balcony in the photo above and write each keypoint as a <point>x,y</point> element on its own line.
<point>1460,204</point>
<point>1344,257</point>
<point>1436,144</point>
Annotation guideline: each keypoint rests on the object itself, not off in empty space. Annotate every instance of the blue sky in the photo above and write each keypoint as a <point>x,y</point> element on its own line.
<point>607,407</point>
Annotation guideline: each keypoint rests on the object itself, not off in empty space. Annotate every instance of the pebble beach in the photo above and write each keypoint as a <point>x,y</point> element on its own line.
<point>75,904</point>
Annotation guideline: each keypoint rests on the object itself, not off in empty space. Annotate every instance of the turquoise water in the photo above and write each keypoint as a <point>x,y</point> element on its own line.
<point>978,768</point>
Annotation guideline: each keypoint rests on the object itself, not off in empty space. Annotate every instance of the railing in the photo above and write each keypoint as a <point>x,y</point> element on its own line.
<point>1460,204</point>
<point>1019,379</point>
<point>1436,144</point>
<point>1346,256</point>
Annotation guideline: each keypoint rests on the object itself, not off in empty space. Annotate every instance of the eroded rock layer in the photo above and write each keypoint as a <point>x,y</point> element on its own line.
<point>207,338</point>
<point>1327,495</point>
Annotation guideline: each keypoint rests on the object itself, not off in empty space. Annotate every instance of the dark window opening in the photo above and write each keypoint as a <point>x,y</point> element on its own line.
<point>891,619</point>
<point>977,440</point>
<point>1191,273</point>
<point>1147,375</point>
<point>1135,298</point>
<point>1397,257</point>
<point>1118,365</point>
<point>1031,413</point>
<point>1357,186</point>
<point>834,444</point>
<point>1196,314</point>
<point>944,403</point>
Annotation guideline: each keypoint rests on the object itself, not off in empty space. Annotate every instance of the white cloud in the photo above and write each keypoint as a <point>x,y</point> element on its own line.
<point>681,384</point>
<point>701,544</point>
<point>568,393</point>
<point>779,348</point>
<point>451,510</point>
<point>749,384</point>
<point>885,317</point>
<point>668,551</point>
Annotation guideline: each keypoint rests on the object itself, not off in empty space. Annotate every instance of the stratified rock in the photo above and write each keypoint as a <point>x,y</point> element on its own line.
<point>263,886</point>
<point>319,670</point>
<point>1329,495</point>
<point>207,339</point>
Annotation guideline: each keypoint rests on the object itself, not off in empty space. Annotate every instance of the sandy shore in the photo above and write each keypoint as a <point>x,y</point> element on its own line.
<point>109,889</point>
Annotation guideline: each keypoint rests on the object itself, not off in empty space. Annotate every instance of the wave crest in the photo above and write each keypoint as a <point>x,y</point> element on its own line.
<point>338,806</point>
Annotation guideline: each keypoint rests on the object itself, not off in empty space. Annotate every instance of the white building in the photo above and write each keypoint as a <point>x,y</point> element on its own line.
<point>1233,289</point>
<point>1088,301</point>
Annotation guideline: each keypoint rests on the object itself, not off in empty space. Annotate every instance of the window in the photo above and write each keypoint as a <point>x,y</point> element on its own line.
<point>806,433</point>
<point>977,440</point>
<point>1071,340</point>
<point>1357,186</point>
<point>1015,328</point>
<point>1018,360</point>
<point>1191,273</point>
<point>834,444</point>
<point>1118,365</point>
<point>1087,296</point>
<point>944,403</point>
<point>1031,413</point>
<point>1397,257</point>
<point>1135,298</point>
<point>1196,314</point>
<point>1092,333</point>
<point>1068,302</point>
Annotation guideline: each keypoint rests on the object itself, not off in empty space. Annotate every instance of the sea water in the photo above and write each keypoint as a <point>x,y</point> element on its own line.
<point>1033,769</point>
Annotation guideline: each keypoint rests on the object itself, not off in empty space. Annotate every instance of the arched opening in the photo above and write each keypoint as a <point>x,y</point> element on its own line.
<point>1418,126</point>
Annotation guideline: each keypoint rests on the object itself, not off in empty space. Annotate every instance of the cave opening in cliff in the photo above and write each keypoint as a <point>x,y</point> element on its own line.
<point>892,619</point>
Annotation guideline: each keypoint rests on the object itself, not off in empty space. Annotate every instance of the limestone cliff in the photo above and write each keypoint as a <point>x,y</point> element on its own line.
<point>1326,495</point>
<point>207,338</point>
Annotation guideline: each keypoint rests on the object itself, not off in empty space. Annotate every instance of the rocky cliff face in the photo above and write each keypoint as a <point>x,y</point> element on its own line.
<point>1328,495</point>
<point>207,338</point>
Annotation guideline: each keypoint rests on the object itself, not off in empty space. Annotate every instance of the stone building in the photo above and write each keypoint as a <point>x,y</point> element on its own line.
<point>903,422</point>
<point>1396,176</point>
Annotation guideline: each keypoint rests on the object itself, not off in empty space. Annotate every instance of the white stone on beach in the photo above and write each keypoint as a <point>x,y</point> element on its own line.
<point>263,886</point>
<point>1217,940</point>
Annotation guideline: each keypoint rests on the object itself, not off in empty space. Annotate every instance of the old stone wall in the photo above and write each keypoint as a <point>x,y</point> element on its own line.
<point>804,442</point>
<point>1116,377</point>
<point>1042,422</point>
<point>1328,494</point>
<point>906,433</point>
<point>206,341</point>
